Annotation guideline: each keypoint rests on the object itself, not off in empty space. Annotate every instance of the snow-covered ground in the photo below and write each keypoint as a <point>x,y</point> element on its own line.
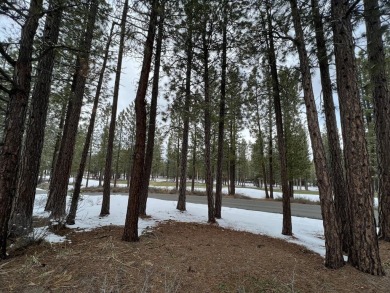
<point>307,232</point>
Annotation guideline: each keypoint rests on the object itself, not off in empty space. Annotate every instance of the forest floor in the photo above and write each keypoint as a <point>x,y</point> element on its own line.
<point>179,257</point>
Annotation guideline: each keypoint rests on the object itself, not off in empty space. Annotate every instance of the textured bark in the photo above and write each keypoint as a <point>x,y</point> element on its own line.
<point>381,100</point>
<point>70,220</point>
<point>181,202</point>
<point>207,124</point>
<point>105,210</point>
<point>130,232</point>
<point>333,245</point>
<point>58,137</point>
<point>261,144</point>
<point>364,251</point>
<point>193,161</point>
<point>14,121</point>
<point>153,114</point>
<point>21,221</point>
<point>287,226</point>
<point>59,183</point>
<point>338,176</point>
<point>221,122</point>
<point>270,152</point>
<point>232,159</point>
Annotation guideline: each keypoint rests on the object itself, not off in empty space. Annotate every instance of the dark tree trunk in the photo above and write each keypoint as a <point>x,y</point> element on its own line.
<point>193,161</point>
<point>105,210</point>
<point>333,245</point>
<point>364,250</point>
<point>59,183</point>
<point>207,123</point>
<point>232,158</point>
<point>21,221</point>
<point>221,123</point>
<point>287,226</point>
<point>116,176</point>
<point>130,232</point>
<point>270,153</point>
<point>381,98</point>
<point>58,138</point>
<point>70,220</point>
<point>153,114</point>
<point>339,186</point>
<point>14,121</point>
<point>181,202</point>
<point>261,145</point>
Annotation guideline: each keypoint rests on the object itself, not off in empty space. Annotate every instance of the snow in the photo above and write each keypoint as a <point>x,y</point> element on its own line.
<point>307,232</point>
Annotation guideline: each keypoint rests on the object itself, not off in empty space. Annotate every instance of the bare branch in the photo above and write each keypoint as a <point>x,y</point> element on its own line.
<point>6,56</point>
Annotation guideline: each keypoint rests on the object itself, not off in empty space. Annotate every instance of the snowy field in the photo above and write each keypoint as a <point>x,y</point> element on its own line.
<point>307,232</point>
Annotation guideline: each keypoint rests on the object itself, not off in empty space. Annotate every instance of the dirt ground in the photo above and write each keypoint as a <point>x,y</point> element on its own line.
<point>180,257</point>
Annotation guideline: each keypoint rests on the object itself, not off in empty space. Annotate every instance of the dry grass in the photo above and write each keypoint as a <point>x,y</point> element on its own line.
<point>179,257</point>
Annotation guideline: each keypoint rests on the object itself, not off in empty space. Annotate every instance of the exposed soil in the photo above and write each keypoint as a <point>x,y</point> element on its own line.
<point>180,257</point>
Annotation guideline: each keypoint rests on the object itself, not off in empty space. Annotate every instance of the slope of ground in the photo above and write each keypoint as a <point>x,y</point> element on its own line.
<point>180,257</point>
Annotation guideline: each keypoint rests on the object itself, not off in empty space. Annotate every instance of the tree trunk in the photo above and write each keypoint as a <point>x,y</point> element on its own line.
<point>287,226</point>
<point>59,183</point>
<point>193,161</point>
<point>21,221</point>
<point>364,250</point>
<point>261,144</point>
<point>130,232</point>
<point>333,245</point>
<point>338,182</point>
<point>232,159</point>
<point>381,99</point>
<point>270,154</point>
<point>221,123</point>
<point>118,153</point>
<point>153,114</point>
<point>105,210</point>
<point>58,138</point>
<point>70,220</point>
<point>181,202</point>
<point>14,121</point>
<point>207,124</point>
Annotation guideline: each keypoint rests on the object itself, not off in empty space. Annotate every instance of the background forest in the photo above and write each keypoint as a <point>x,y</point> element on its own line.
<point>271,93</point>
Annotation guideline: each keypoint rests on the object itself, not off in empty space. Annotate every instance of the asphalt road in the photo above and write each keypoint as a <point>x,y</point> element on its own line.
<point>270,206</point>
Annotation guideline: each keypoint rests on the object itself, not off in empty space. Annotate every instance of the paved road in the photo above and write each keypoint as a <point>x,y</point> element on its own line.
<point>299,210</point>
<point>270,206</point>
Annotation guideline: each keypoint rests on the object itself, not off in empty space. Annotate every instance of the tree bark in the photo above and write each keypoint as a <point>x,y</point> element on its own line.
<point>270,152</point>
<point>221,122</point>
<point>21,221</point>
<point>59,183</point>
<point>381,100</point>
<point>181,202</point>
<point>130,232</point>
<point>105,210</point>
<point>207,123</point>
<point>333,245</point>
<point>14,121</point>
<point>58,137</point>
<point>232,158</point>
<point>338,176</point>
<point>70,220</point>
<point>287,226</point>
<point>153,113</point>
<point>364,251</point>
